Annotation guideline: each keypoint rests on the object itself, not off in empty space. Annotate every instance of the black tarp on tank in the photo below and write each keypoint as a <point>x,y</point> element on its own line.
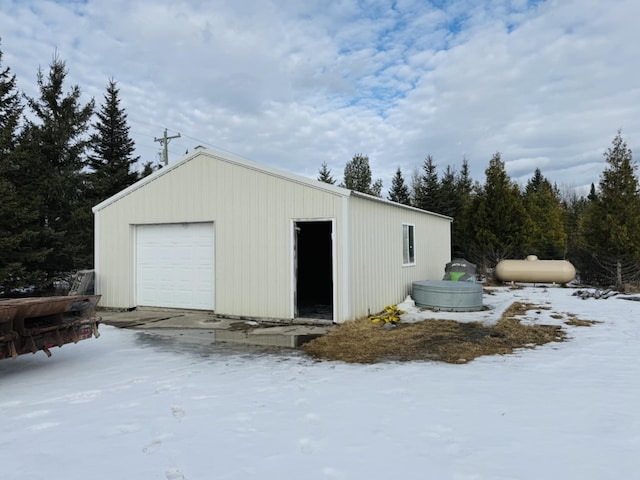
<point>460,270</point>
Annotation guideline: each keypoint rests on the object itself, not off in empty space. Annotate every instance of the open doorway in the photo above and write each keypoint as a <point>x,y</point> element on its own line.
<point>313,269</point>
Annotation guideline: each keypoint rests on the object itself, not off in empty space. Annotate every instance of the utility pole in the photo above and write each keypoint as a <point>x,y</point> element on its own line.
<point>164,141</point>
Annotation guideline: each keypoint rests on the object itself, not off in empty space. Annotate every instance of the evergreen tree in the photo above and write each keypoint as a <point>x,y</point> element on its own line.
<point>576,207</point>
<point>14,218</point>
<point>427,194</point>
<point>414,187</point>
<point>112,162</point>
<point>51,159</point>
<point>324,174</point>
<point>448,192</point>
<point>399,191</point>
<point>357,176</point>
<point>611,225</point>
<point>548,238</point>
<point>148,168</point>
<point>460,236</point>
<point>454,193</point>
<point>464,184</point>
<point>500,223</point>
<point>10,111</point>
<point>376,188</point>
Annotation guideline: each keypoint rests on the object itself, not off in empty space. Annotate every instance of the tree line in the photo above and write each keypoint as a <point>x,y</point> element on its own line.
<point>58,158</point>
<point>598,233</point>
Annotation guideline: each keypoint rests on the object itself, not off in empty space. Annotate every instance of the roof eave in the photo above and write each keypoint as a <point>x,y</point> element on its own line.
<point>398,205</point>
<point>229,158</point>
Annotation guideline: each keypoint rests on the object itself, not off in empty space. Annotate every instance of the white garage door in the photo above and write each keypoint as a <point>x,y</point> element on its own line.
<point>174,265</point>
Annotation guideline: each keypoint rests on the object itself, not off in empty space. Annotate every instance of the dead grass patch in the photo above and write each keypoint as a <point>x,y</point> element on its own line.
<point>631,288</point>
<point>520,309</point>
<point>577,322</point>
<point>362,341</point>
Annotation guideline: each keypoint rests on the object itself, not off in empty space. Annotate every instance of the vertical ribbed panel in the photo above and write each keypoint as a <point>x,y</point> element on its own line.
<point>252,213</point>
<point>378,277</point>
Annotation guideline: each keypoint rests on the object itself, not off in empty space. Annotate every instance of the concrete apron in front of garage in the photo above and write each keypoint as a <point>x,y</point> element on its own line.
<point>221,329</point>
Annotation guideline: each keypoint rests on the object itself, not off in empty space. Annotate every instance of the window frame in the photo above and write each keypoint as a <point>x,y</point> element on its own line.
<point>408,244</point>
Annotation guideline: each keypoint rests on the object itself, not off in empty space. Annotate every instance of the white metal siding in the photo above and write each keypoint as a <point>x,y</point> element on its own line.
<point>174,265</point>
<point>252,211</point>
<point>378,276</point>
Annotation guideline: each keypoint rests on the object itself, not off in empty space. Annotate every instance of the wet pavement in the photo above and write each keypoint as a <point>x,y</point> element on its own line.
<point>200,343</point>
<point>202,328</point>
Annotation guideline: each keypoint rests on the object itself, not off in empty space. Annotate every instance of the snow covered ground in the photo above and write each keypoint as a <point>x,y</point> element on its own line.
<point>142,405</point>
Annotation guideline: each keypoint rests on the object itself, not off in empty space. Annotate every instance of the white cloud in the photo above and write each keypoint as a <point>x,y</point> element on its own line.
<point>292,84</point>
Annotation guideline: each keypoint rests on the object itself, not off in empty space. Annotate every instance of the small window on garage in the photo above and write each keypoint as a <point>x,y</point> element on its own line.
<point>408,245</point>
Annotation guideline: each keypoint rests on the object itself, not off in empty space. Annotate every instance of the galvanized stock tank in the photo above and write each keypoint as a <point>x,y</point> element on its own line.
<point>532,270</point>
<point>448,296</point>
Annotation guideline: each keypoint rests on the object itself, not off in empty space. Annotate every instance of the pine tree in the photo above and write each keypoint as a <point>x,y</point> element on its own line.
<point>448,192</point>
<point>10,111</point>
<point>51,159</point>
<point>462,216</point>
<point>611,225</point>
<point>576,207</point>
<point>376,188</point>
<point>112,162</point>
<point>548,238</point>
<point>427,194</point>
<point>324,174</point>
<point>463,181</point>
<point>399,191</point>
<point>148,168</point>
<point>14,217</point>
<point>357,175</point>
<point>454,193</point>
<point>500,223</point>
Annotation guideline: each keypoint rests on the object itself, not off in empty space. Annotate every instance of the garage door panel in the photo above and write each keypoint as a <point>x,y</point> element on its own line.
<point>175,265</point>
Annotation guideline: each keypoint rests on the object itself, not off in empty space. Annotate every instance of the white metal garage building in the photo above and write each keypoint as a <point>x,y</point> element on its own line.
<point>217,232</point>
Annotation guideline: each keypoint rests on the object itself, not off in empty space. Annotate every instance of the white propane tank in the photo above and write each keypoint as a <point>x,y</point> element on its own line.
<point>532,270</point>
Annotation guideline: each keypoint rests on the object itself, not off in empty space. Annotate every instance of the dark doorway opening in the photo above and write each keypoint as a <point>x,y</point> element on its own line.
<point>314,269</point>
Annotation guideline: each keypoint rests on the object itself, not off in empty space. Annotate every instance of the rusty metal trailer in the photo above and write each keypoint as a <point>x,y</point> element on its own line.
<point>28,325</point>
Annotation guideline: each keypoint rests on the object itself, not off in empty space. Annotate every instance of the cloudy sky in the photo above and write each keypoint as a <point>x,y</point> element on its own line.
<point>293,83</point>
